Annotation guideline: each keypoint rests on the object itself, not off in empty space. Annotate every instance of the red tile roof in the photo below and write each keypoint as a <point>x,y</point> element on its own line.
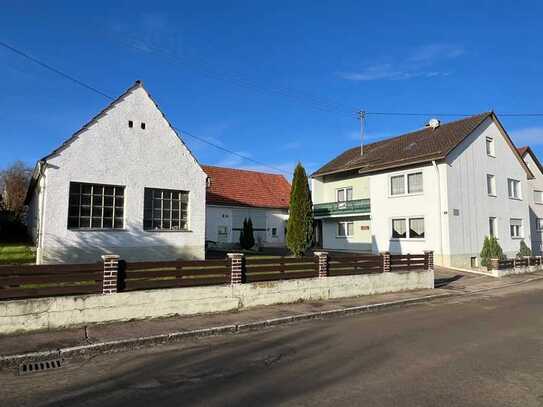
<point>522,150</point>
<point>230,186</point>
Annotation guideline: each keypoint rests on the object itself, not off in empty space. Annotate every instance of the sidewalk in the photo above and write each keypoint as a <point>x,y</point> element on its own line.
<point>145,332</point>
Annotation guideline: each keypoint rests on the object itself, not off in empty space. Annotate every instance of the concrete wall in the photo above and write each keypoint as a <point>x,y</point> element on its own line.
<point>536,209</point>
<point>231,217</point>
<point>468,166</point>
<point>109,152</point>
<point>60,312</point>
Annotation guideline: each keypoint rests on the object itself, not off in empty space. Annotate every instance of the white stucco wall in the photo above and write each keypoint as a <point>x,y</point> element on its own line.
<point>109,152</point>
<point>360,241</point>
<point>468,166</point>
<point>536,209</point>
<point>60,312</point>
<point>385,207</point>
<point>264,219</point>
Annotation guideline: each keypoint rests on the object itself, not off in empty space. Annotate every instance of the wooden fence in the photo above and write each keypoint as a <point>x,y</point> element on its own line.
<point>50,280</point>
<point>282,268</point>
<point>171,274</point>
<point>349,265</point>
<point>503,264</point>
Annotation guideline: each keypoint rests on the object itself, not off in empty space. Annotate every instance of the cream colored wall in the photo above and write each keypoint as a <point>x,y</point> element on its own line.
<point>61,312</point>
<point>361,241</point>
<point>324,188</point>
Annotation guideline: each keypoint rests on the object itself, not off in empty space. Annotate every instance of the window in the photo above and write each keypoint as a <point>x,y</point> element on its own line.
<point>516,228</point>
<point>539,224</point>
<point>344,194</point>
<point>415,230</point>
<point>130,123</point>
<point>95,206</point>
<point>274,232</point>
<point>412,183</point>
<point>492,226</point>
<point>513,187</point>
<point>345,229</point>
<point>491,184</point>
<point>142,125</point>
<point>490,147</point>
<point>165,209</point>
<point>538,197</point>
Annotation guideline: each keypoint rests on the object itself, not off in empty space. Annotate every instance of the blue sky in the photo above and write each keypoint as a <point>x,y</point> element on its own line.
<point>275,81</point>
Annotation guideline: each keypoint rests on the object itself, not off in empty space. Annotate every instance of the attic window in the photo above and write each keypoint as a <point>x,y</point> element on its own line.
<point>143,125</point>
<point>130,123</point>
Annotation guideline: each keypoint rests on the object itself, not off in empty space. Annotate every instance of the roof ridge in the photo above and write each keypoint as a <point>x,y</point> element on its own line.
<point>243,170</point>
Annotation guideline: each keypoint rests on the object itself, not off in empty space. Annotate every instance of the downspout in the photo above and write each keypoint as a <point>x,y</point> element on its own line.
<point>440,212</point>
<point>41,209</point>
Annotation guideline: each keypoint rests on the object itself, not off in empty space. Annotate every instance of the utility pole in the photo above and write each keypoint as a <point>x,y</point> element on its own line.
<point>362,118</point>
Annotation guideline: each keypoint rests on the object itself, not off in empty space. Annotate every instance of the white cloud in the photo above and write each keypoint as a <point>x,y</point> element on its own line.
<point>416,65</point>
<point>531,136</point>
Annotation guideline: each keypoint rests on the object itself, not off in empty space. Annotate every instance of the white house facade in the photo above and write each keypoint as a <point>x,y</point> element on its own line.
<point>234,195</point>
<point>125,184</point>
<point>535,197</point>
<point>443,188</point>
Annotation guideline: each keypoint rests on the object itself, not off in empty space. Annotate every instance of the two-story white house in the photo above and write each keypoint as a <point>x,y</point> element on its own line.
<point>442,188</point>
<point>535,198</point>
<point>125,183</point>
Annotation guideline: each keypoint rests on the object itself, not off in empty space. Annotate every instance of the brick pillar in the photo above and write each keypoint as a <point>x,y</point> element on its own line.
<point>429,259</point>
<point>236,264</point>
<point>386,261</point>
<point>494,264</point>
<point>111,273</point>
<point>323,263</point>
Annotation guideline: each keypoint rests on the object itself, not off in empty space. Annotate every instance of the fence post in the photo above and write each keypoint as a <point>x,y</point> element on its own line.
<point>110,278</point>
<point>386,261</point>
<point>429,259</point>
<point>494,264</point>
<point>323,263</point>
<point>236,265</point>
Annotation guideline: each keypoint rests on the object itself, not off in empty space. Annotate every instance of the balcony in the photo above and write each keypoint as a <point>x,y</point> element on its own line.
<point>344,208</point>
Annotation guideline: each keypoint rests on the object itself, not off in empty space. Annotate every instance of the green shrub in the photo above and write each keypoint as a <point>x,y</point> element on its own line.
<point>524,250</point>
<point>491,250</point>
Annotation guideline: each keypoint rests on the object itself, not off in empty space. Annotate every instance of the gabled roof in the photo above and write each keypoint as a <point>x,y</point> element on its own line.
<point>527,150</point>
<point>39,165</point>
<point>416,147</point>
<point>234,187</point>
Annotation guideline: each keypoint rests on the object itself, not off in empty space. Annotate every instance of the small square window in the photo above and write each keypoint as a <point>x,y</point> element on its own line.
<point>490,147</point>
<point>130,123</point>
<point>142,125</point>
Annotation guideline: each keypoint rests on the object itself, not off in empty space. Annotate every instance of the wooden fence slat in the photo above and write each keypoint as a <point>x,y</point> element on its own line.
<point>49,279</point>
<point>14,293</point>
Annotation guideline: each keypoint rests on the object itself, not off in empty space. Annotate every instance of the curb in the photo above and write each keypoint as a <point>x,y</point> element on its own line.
<point>13,361</point>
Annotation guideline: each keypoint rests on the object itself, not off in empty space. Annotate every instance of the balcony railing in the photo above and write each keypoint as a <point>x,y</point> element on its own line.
<point>354,207</point>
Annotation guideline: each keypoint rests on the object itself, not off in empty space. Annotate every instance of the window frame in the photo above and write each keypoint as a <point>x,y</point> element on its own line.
<point>539,224</point>
<point>490,152</point>
<point>346,226</point>
<point>493,224</point>
<point>405,176</point>
<point>511,182</point>
<point>92,206</point>
<point>520,234</point>
<point>540,202</point>
<point>152,209</point>
<point>491,182</point>
<point>344,190</point>
<point>407,220</point>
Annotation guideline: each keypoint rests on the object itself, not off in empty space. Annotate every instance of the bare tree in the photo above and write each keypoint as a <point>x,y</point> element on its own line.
<point>14,183</point>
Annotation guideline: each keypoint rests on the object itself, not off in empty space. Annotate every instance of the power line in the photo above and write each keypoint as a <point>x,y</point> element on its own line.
<point>93,89</point>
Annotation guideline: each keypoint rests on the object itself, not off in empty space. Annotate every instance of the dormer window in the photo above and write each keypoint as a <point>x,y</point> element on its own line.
<point>143,125</point>
<point>130,123</point>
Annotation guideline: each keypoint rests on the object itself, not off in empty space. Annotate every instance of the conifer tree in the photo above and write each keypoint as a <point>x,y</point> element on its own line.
<point>300,221</point>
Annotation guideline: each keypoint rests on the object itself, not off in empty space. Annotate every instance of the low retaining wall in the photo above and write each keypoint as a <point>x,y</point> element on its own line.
<point>501,268</point>
<point>60,312</point>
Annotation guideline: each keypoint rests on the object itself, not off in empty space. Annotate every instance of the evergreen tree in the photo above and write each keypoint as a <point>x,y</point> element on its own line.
<point>249,234</point>
<point>491,250</point>
<point>242,239</point>
<point>524,250</point>
<point>300,221</point>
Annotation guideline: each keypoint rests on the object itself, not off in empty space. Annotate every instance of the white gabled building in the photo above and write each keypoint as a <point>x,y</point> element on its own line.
<point>234,195</point>
<point>535,198</point>
<point>125,184</point>
<point>442,188</point>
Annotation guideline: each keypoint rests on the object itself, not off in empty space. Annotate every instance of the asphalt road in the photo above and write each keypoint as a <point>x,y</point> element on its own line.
<point>484,350</point>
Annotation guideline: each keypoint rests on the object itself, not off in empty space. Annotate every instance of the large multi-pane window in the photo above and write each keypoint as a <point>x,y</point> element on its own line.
<point>400,229</point>
<point>513,187</point>
<point>345,229</point>
<point>95,206</point>
<point>515,226</point>
<point>538,197</point>
<point>344,194</point>
<point>165,209</point>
